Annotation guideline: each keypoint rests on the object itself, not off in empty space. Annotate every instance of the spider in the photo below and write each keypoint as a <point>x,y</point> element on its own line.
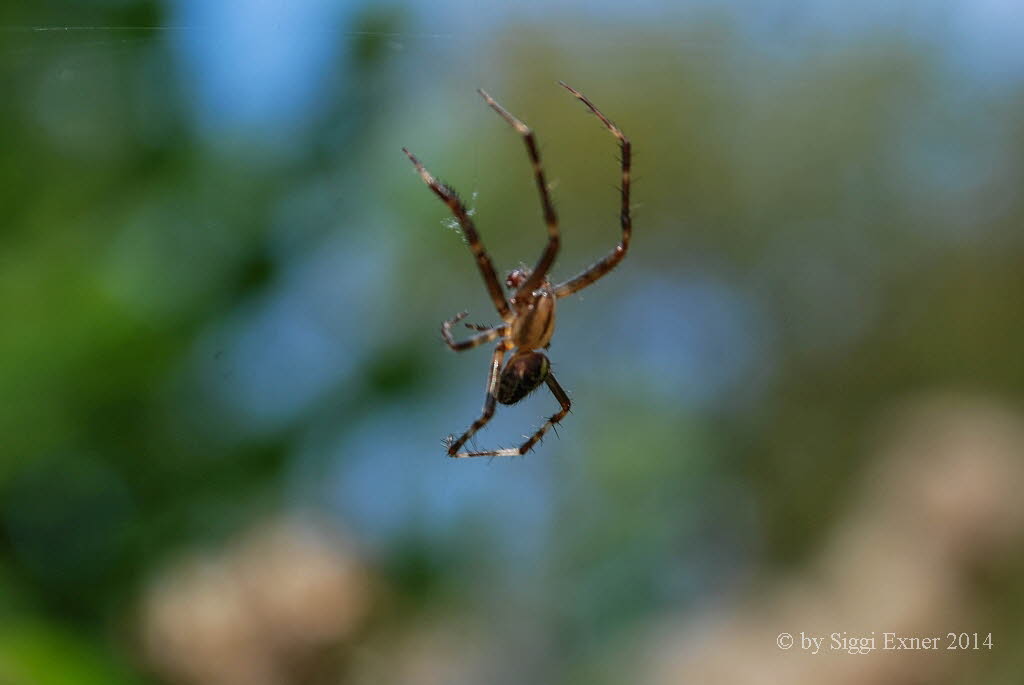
<point>528,314</point>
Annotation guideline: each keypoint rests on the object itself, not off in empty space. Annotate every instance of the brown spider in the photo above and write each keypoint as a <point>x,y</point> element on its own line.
<point>529,313</point>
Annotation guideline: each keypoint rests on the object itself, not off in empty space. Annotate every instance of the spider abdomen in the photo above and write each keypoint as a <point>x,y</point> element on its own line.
<point>521,376</point>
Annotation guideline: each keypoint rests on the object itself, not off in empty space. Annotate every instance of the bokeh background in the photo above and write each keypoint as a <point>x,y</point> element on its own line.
<point>798,401</point>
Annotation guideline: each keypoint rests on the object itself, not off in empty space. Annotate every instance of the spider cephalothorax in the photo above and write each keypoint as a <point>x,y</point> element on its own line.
<point>528,314</point>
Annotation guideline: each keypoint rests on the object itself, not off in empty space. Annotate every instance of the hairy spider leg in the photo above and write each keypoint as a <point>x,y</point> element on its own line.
<point>458,210</point>
<point>489,402</point>
<point>486,334</point>
<point>563,399</point>
<point>609,262</point>
<point>547,258</point>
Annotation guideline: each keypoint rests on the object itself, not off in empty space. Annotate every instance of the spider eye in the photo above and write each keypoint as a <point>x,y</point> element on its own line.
<point>516,277</point>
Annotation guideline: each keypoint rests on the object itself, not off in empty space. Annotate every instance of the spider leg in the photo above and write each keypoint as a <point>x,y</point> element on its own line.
<point>489,403</point>
<point>486,334</point>
<point>609,262</point>
<point>458,210</point>
<point>563,399</point>
<point>547,258</point>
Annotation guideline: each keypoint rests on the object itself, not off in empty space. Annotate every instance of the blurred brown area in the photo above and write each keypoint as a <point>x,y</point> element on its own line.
<point>267,610</point>
<point>938,511</point>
